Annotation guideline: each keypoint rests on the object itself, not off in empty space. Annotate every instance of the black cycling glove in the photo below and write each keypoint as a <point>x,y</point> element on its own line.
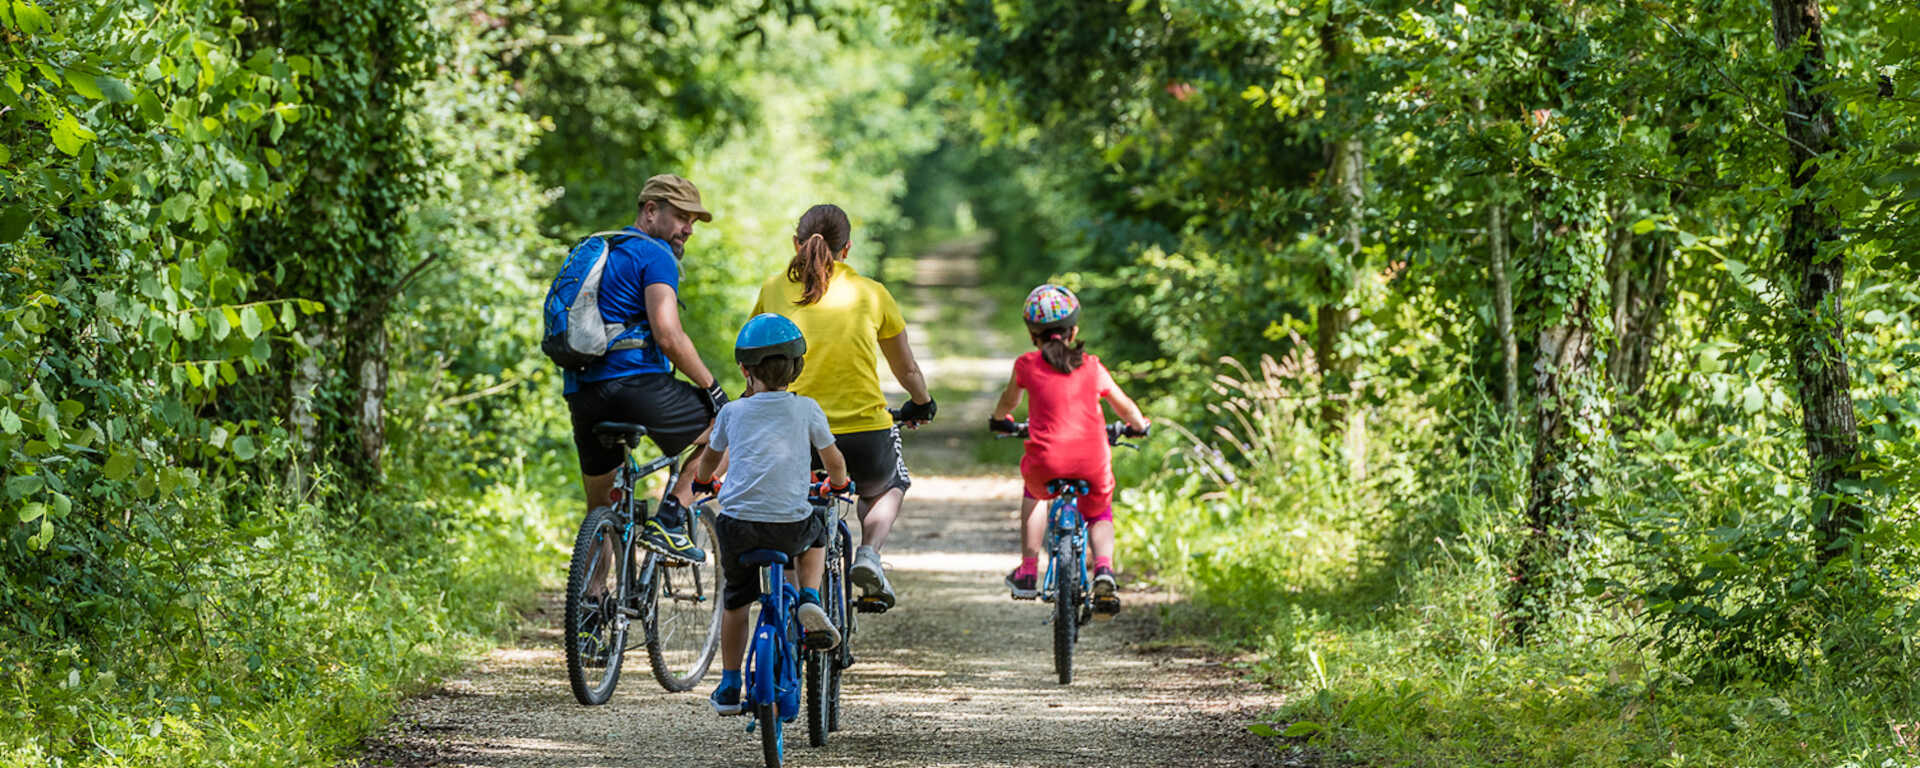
<point>1129,431</point>
<point>1002,425</point>
<point>913,411</point>
<point>716,397</point>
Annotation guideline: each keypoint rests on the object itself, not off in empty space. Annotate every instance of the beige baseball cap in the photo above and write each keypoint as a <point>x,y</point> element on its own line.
<point>677,192</point>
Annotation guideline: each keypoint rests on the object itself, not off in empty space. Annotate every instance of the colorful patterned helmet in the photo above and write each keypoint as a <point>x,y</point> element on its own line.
<point>768,335</point>
<point>1051,306</point>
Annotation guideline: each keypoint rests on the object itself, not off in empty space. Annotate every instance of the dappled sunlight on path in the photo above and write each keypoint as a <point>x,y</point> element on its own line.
<point>957,675</point>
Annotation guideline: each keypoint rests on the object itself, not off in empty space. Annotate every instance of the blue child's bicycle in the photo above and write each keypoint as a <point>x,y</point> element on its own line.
<point>1067,580</point>
<point>776,654</point>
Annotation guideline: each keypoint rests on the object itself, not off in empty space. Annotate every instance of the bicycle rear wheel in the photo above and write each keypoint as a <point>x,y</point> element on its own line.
<point>683,627</point>
<point>594,632</point>
<point>772,741</point>
<point>839,596</point>
<point>1066,602</point>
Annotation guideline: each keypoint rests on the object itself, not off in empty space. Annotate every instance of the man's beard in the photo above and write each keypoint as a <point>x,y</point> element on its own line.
<point>679,250</point>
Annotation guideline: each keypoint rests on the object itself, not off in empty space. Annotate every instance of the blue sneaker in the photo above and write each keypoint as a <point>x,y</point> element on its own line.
<point>670,541</point>
<point>726,700</point>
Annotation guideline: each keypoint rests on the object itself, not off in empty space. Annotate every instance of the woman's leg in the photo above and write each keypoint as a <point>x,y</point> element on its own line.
<point>877,515</point>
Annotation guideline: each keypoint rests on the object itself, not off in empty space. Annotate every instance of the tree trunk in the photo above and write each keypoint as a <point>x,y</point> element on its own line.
<point>1818,336</point>
<point>1640,273</point>
<point>367,363</point>
<point>1345,179</point>
<point>1564,398</point>
<point>1503,309</point>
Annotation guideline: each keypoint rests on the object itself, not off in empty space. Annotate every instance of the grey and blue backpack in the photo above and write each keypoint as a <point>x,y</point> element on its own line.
<point>576,335</point>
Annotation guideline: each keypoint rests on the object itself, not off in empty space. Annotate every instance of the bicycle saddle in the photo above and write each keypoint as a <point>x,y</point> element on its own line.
<point>616,432</point>
<point>1069,485</point>
<point>756,558</point>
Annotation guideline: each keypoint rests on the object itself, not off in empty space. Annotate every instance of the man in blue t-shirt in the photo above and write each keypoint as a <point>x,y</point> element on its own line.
<point>640,289</point>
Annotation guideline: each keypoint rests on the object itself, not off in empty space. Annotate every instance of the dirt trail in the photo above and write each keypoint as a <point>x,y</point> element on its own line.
<point>956,675</point>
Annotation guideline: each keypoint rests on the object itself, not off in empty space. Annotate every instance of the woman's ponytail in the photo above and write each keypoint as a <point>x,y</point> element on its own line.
<point>1054,349</point>
<point>822,232</point>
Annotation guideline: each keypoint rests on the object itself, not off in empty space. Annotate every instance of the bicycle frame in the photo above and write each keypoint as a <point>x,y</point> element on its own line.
<point>1063,520</point>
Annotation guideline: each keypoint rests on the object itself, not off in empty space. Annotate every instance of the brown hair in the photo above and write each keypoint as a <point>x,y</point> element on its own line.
<point>822,232</point>
<point>775,372</point>
<point>1053,348</point>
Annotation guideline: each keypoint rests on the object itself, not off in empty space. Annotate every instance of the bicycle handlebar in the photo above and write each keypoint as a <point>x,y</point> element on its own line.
<point>1115,431</point>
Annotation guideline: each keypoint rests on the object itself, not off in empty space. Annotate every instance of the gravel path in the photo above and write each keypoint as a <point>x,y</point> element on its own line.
<point>956,675</point>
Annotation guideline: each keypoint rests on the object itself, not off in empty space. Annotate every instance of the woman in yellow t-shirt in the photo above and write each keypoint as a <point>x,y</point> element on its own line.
<point>849,322</point>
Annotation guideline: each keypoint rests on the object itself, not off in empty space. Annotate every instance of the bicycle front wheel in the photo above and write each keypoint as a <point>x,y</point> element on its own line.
<point>1066,602</point>
<point>838,595</point>
<point>772,741</point>
<point>683,626</point>
<point>595,633</point>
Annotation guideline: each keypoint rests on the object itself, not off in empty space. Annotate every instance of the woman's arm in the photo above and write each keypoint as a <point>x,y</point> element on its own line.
<point>906,370</point>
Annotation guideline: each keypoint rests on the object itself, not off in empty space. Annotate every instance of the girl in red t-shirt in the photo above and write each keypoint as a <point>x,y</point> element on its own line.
<point>1067,436</point>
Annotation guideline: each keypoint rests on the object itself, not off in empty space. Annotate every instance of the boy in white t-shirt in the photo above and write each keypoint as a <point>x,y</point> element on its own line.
<point>768,437</point>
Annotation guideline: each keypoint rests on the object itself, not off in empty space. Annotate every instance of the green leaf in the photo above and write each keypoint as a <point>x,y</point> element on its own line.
<point>61,505</point>
<point>69,135</point>
<point>32,512</point>
<point>1753,400</point>
<point>1301,729</point>
<point>218,322</point>
<point>29,18</point>
<point>243,448</point>
<point>250,322</point>
<point>114,89</point>
<point>84,84</point>
<point>24,485</point>
<point>1644,226</point>
<point>9,421</point>
<point>119,466</point>
<point>13,223</point>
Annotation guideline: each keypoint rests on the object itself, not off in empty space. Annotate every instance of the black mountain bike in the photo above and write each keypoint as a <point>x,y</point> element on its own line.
<point>614,582</point>
<point>824,668</point>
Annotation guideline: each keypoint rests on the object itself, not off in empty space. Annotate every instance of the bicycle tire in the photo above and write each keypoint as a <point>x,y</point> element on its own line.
<point>839,595</point>
<point>768,717</point>
<point>817,704</point>
<point>680,659</point>
<point>1066,597</point>
<point>587,620</point>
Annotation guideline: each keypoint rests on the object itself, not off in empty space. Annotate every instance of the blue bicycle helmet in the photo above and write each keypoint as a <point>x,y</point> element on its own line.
<point>768,335</point>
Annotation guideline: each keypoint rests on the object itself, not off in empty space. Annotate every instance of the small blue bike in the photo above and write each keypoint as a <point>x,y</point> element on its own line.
<point>771,676</point>
<point>1067,580</point>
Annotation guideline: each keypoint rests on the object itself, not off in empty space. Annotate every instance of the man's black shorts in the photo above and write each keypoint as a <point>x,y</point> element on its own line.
<point>673,411</point>
<point>873,461</point>
<point>735,537</point>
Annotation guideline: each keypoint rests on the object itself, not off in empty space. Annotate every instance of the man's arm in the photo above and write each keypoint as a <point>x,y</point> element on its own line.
<point>663,316</point>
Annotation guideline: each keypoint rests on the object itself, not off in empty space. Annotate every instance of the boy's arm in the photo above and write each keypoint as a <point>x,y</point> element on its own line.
<point>836,465</point>
<point>708,463</point>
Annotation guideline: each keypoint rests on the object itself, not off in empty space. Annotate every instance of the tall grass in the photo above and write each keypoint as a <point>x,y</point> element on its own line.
<point>1373,599</point>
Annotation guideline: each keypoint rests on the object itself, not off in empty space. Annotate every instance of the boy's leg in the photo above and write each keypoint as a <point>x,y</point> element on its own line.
<point>733,639</point>
<point>813,567</point>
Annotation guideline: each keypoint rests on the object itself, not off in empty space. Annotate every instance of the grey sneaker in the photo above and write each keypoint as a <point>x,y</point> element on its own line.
<point>871,579</point>
<point>818,633</point>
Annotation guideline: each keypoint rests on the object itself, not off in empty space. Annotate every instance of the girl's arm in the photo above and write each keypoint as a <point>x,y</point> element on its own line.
<point>1009,400</point>
<point>1124,407</point>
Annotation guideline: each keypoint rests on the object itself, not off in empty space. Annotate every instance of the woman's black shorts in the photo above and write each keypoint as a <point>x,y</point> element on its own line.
<point>673,411</point>
<point>736,537</point>
<point>873,461</point>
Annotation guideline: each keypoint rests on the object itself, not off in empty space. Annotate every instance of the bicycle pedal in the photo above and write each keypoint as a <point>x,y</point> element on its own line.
<point>871,605</point>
